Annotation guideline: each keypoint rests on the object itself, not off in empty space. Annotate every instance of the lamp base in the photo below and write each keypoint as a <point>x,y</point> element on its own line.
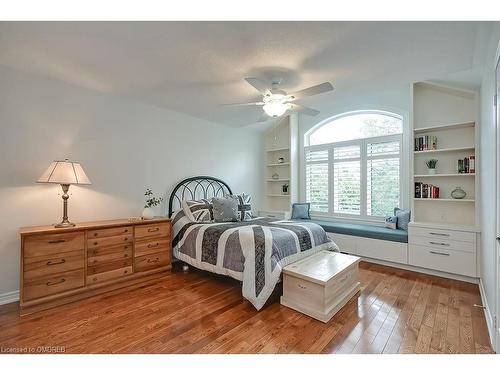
<point>64,224</point>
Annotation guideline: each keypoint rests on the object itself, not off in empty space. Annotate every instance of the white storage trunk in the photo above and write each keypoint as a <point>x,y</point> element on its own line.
<point>320,285</point>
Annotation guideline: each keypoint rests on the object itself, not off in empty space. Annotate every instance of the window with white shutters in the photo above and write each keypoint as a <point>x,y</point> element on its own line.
<point>360,176</point>
<point>347,179</point>
<point>317,180</point>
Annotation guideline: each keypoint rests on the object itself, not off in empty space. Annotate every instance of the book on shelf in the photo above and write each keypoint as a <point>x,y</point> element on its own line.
<point>467,165</point>
<point>425,143</point>
<point>427,191</point>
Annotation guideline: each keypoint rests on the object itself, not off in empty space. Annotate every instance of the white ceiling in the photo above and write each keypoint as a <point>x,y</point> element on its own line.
<point>194,67</point>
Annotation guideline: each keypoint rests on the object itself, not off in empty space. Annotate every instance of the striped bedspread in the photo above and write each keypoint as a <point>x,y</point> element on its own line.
<point>253,251</point>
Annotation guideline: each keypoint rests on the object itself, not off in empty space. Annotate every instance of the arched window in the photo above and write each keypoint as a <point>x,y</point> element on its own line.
<point>352,164</point>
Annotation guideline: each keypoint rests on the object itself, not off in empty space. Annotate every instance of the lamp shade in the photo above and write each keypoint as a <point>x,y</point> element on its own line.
<point>65,172</point>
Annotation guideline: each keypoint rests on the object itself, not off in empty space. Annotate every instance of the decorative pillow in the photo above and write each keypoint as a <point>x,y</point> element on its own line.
<point>200,210</point>
<point>391,222</point>
<point>301,211</point>
<point>403,218</point>
<point>244,206</point>
<point>225,209</point>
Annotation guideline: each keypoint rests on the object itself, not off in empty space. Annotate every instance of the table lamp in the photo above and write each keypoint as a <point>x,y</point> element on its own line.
<point>65,173</point>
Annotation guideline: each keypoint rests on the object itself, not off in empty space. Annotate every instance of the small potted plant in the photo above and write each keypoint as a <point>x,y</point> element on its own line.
<point>151,201</point>
<point>431,166</point>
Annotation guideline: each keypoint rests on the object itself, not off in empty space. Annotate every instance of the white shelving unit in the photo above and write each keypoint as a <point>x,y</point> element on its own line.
<point>281,141</point>
<point>450,114</point>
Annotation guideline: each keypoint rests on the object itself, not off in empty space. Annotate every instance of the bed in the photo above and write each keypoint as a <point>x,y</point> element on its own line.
<point>253,251</point>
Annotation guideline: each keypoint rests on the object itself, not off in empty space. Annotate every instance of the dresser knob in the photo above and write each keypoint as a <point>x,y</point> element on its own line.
<point>95,279</point>
<point>95,243</point>
<point>126,271</point>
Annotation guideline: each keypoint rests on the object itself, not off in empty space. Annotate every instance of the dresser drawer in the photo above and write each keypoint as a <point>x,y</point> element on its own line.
<point>109,232</point>
<point>109,275</point>
<point>443,243</point>
<point>109,266</point>
<point>458,262</point>
<point>53,264</point>
<point>53,284</point>
<point>109,241</point>
<point>119,254</point>
<point>152,230</point>
<point>151,261</point>
<point>108,250</point>
<point>47,244</point>
<point>442,234</point>
<point>151,246</point>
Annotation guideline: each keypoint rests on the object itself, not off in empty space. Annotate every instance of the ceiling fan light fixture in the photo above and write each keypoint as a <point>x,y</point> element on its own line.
<point>275,106</point>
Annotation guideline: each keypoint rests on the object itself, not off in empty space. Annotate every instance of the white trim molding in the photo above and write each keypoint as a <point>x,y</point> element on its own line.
<point>9,297</point>
<point>487,315</point>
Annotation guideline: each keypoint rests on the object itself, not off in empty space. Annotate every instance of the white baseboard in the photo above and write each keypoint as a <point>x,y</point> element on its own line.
<point>487,315</point>
<point>9,297</point>
<point>407,267</point>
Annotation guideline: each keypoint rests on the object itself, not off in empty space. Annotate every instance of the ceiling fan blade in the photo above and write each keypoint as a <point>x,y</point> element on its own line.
<point>306,110</point>
<point>243,104</point>
<point>259,85</point>
<point>313,90</point>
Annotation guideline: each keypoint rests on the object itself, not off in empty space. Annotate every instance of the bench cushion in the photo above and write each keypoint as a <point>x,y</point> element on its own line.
<point>364,230</point>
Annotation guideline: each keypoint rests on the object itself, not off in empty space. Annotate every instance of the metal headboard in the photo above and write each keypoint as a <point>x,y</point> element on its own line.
<point>194,188</point>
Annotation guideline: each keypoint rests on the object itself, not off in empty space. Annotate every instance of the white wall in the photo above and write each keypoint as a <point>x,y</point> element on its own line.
<point>488,175</point>
<point>397,100</point>
<point>124,147</point>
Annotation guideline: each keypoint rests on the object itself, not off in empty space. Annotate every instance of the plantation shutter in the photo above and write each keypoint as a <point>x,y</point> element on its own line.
<point>317,179</point>
<point>347,179</point>
<point>382,177</point>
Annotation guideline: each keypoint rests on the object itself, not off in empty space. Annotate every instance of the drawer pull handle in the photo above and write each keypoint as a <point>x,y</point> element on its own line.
<point>438,253</point>
<point>49,283</point>
<point>51,263</point>
<point>439,234</point>
<point>125,231</point>
<point>96,243</point>
<point>439,243</point>
<point>125,255</point>
<point>302,286</point>
<point>95,234</point>
<point>344,279</point>
<point>153,245</point>
<point>126,271</point>
<point>154,261</point>
<point>153,230</point>
<point>94,279</point>
<point>57,241</point>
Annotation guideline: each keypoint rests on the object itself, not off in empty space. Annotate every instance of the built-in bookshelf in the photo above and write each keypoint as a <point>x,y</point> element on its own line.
<point>446,117</point>
<point>281,165</point>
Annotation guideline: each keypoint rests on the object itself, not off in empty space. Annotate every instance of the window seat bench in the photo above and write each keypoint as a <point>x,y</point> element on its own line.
<point>364,230</point>
<point>368,241</point>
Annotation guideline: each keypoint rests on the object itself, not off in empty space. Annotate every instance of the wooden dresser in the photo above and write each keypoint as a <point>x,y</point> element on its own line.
<point>60,265</point>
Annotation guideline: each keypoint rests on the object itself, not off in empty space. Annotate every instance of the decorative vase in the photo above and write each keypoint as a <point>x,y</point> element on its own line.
<point>148,213</point>
<point>431,171</point>
<point>458,193</point>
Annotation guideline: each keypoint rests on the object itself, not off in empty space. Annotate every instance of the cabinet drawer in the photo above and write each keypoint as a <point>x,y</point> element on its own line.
<point>443,243</point>
<point>108,250</point>
<point>109,232</point>
<point>148,262</point>
<point>458,262</point>
<point>442,234</point>
<point>109,275</point>
<point>109,266</point>
<point>47,244</point>
<point>109,241</point>
<point>346,243</point>
<point>53,264</point>
<point>151,246</point>
<point>120,254</point>
<point>152,230</point>
<point>53,284</point>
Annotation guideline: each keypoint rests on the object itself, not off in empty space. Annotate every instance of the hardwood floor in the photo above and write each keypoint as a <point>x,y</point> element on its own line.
<point>397,312</point>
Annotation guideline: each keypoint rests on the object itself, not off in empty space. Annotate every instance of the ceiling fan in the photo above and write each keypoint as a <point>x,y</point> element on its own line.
<point>276,102</point>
